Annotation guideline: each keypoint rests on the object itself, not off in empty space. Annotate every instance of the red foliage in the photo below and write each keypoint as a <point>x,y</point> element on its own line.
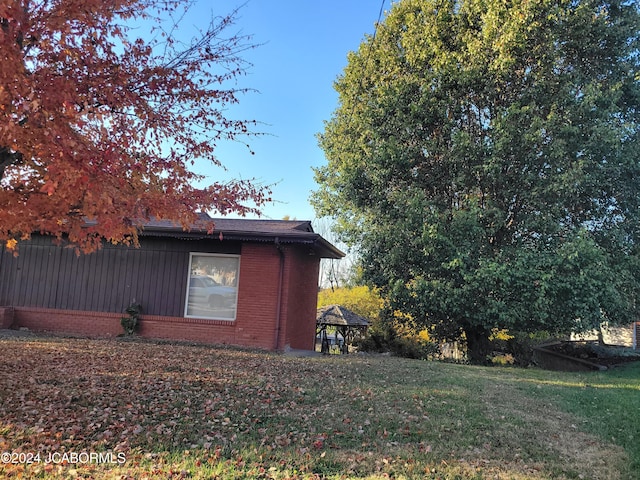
<point>98,125</point>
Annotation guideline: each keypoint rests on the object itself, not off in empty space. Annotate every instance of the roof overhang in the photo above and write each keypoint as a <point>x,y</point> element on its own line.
<point>245,230</point>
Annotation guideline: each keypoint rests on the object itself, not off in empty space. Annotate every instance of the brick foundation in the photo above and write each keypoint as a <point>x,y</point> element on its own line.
<point>100,325</point>
<point>6,317</point>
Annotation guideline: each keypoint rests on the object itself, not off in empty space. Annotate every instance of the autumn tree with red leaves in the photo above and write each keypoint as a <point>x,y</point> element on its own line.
<point>99,128</point>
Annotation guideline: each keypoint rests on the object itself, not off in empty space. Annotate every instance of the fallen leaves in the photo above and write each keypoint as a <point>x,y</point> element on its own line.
<point>180,411</point>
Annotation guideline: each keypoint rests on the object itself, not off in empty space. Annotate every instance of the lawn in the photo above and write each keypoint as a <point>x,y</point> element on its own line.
<point>78,408</point>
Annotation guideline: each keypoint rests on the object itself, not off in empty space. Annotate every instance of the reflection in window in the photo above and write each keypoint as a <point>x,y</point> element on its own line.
<point>212,288</point>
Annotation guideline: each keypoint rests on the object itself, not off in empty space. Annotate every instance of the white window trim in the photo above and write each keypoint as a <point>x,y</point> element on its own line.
<point>186,298</point>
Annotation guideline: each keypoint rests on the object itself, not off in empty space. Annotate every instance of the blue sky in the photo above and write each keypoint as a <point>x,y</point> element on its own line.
<point>305,47</point>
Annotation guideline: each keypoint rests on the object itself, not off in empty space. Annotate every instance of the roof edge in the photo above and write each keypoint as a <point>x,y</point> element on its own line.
<point>301,234</point>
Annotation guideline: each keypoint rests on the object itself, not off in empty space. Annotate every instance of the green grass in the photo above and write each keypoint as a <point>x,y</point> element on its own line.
<point>180,411</point>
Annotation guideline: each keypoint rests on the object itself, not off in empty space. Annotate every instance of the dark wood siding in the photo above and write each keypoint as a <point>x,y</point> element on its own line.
<point>155,275</point>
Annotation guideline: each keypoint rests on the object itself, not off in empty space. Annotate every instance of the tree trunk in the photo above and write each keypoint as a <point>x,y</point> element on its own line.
<point>478,345</point>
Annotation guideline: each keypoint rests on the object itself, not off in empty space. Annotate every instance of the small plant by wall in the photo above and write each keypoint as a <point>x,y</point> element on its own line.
<point>130,323</point>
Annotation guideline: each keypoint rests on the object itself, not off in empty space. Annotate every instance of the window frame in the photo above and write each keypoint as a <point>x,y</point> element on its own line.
<point>236,287</point>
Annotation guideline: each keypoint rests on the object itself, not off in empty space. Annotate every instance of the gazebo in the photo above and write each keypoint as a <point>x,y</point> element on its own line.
<point>347,325</point>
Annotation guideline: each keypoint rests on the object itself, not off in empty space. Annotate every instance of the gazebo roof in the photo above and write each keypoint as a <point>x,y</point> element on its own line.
<point>338,315</point>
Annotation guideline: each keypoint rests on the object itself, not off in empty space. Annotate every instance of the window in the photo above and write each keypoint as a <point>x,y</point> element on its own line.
<point>212,287</point>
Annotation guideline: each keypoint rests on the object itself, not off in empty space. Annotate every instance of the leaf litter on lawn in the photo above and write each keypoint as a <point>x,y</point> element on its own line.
<point>178,410</point>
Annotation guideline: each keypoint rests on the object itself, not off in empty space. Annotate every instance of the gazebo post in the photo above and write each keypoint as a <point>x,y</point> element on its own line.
<point>324,340</point>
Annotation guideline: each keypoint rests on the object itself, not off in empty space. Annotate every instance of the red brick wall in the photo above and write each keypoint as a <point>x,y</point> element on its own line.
<point>256,319</point>
<point>257,295</point>
<point>302,300</point>
<point>6,317</point>
<point>68,321</point>
<point>100,324</point>
<point>217,332</point>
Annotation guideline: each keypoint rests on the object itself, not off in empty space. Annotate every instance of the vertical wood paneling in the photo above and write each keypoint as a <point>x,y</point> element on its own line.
<point>3,275</point>
<point>162,287</point>
<point>51,276</point>
<point>44,270</point>
<point>132,282</point>
<point>98,282</point>
<point>143,293</point>
<point>33,268</point>
<point>54,262</point>
<point>19,284</point>
<point>68,279</point>
<point>86,266</point>
<point>114,272</point>
<point>181,286</point>
<point>167,271</point>
<point>32,271</point>
<point>106,264</point>
<point>174,293</point>
<point>8,267</point>
<point>50,285</point>
<point>62,279</point>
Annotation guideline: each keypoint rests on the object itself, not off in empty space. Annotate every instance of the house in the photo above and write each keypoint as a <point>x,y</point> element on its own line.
<point>622,335</point>
<point>250,283</point>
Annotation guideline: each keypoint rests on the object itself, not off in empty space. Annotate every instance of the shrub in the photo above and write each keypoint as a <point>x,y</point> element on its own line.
<point>388,336</point>
<point>503,359</point>
<point>130,323</point>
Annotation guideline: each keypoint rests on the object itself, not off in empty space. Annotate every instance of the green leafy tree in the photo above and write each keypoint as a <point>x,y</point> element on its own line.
<point>484,157</point>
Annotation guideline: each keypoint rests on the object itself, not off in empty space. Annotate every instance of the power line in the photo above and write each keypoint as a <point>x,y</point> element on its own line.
<point>375,31</point>
<point>366,60</point>
<point>373,40</point>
